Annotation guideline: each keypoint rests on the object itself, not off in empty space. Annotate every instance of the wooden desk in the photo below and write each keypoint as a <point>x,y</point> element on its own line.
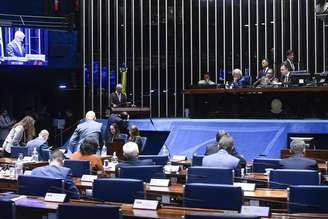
<point>37,207</point>
<point>134,112</point>
<point>319,155</point>
<point>27,165</point>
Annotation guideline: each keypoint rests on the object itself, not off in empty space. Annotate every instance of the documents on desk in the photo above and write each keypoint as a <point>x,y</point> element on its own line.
<point>88,178</point>
<point>246,186</point>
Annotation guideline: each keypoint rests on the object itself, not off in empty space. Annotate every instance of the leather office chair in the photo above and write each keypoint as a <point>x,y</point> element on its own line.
<point>199,195</point>
<point>308,199</point>
<point>260,164</point>
<point>283,178</point>
<point>44,154</point>
<point>83,211</point>
<point>39,186</point>
<point>220,216</point>
<point>157,159</point>
<point>118,190</point>
<point>8,210</point>
<point>16,150</point>
<point>209,175</point>
<point>197,160</point>
<point>144,173</point>
<point>78,167</point>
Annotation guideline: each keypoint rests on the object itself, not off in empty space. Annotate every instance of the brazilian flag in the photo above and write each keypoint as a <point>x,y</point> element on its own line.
<point>123,71</point>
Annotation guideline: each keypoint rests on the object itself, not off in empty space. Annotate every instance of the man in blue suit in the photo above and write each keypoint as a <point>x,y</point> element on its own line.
<point>40,143</point>
<point>16,48</point>
<point>297,160</point>
<point>223,158</point>
<point>88,128</point>
<point>56,170</point>
<point>131,153</point>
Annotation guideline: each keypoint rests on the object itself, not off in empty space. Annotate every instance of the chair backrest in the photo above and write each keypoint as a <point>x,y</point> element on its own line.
<point>260,164</point>
<point>197,160</point>
<point>16,150</point>
<point>78,167</point>
<point>8,210</point>
<point>283,178</point>
<point>144,173</point>
<point>144,141</point>
<point>83,211</point>
<point>199,195</point>
<point>209,175</point>
<point>157,159</point>
<point>308,199</point>
<point>39,186</point>
<point>44,154</point>
<point>220,216</point>
<point>118,190</point>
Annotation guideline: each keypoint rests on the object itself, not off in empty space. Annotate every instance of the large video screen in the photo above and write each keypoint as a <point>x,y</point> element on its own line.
<point>23,46</point>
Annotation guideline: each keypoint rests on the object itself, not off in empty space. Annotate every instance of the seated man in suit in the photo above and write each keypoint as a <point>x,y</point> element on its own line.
<point>56,170</point>
<point>297,160</point>
<point>214,148</point>
<point>40,143</point>
<point>88,128</point>
<point>118,99</point>
<point>131,153</point>
<point>266,81</point>
<point>264,70</point>
<point>206,80</point>
<point>223,158</point>
<point>285,74</point>
<point>16,48</point>
<point>237,76</point>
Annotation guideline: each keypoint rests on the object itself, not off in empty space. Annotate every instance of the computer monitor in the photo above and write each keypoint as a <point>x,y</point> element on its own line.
<point>300,78</point>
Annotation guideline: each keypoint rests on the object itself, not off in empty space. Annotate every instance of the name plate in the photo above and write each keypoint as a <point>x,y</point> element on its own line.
<point>179,157</point>
<point>171,168</point>
<point>88,178</point>
<point>159,182</point>
<point>55,197</point>
<point>255,210</point>
<point>27,172</point>
<point>246,186</point>
<point>145,204</point>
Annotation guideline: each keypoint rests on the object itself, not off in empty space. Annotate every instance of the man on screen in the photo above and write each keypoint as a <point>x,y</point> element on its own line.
<point>16,48</point>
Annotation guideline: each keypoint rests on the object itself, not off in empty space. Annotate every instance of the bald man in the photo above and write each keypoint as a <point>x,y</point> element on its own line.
<point>16,48</point>
<point>41,145</point>
<point>88,128</point>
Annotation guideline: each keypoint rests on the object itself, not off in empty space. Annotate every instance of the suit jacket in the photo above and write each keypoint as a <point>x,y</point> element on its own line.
<point>222,159</point>
<point>113,99</point>
<point>14,138</point>
<point>40,144</point>
<point>13,50</point>
<point>53,171</point>
<point>290,64</point>
<point>122,124</point>
<point>298,162</point>
<point>134,162</point>
<point>213,148</point>
<point>83,130</point>
<point>262,73</point>
<point>288,78</point>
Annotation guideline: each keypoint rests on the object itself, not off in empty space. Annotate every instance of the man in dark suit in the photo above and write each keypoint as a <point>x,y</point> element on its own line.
<point>285,73</point>
<point>89,128</point>
<point>264,70</point>
<point>16,48</point>
<point>290,60</point>
<point>118,99</point>
<point>131,153</point>
<point>297,160</point>
<point>40,143</point>
<point>56,170</point>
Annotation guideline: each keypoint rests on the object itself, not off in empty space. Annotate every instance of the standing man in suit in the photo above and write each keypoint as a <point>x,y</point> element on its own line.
<point>297,160</point>
<point>131,153</point>
<point>56,169</point>
<point>285,73</point>
<point>223,158</point>
<point>88,128</point>
<point>16,48</point>
<point>290,60</point>
<point>264,70</point>
<point>40,143</point>
<point>118,99</point>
